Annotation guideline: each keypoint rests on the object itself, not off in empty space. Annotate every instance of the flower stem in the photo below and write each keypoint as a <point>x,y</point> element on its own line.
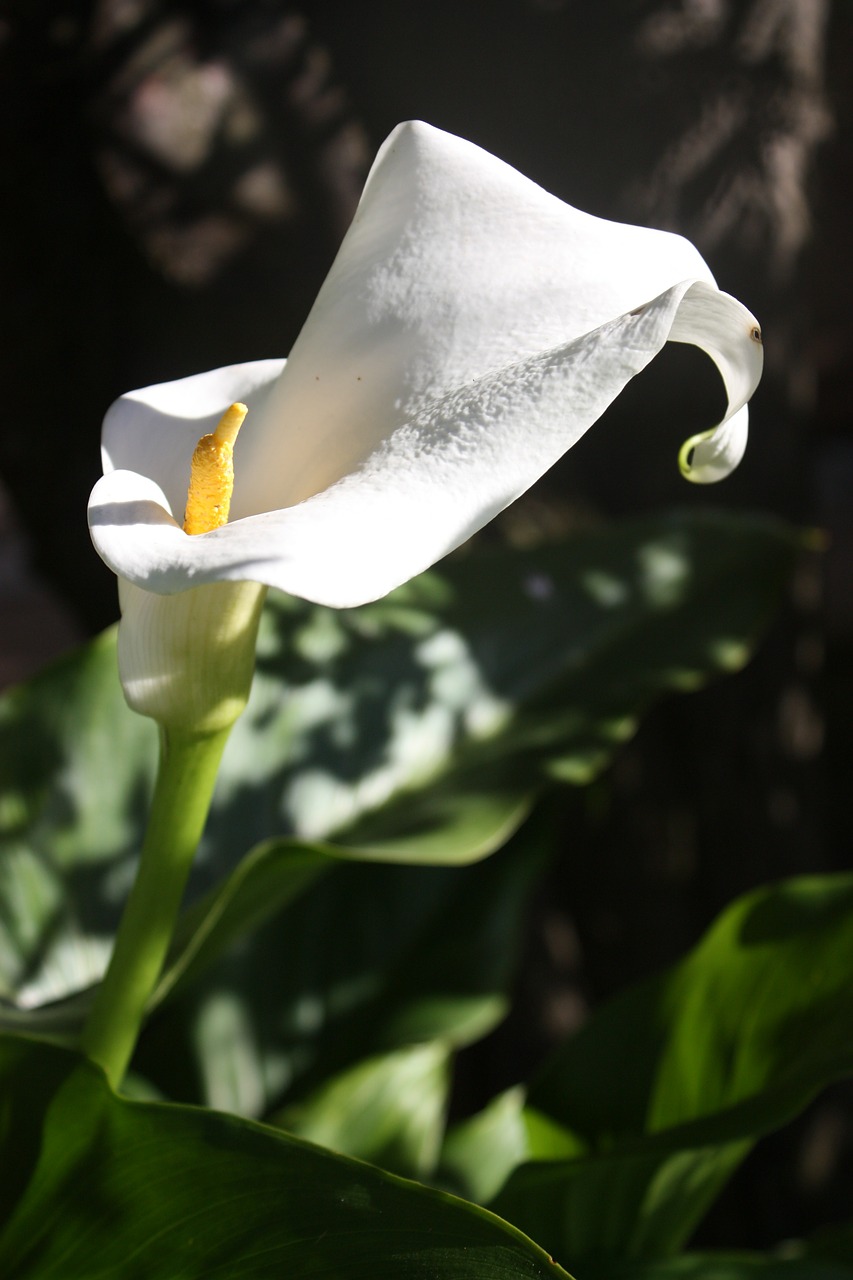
<point>182,796</point>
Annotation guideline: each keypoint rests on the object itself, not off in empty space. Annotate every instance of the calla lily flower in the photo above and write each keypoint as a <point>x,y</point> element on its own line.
<point>471,329</point>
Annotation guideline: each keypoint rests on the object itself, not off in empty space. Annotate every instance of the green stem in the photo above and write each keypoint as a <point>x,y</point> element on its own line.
<point>182,796</point>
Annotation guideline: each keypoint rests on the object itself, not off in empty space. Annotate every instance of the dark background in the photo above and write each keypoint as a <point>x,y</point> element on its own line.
<point>175,178</point>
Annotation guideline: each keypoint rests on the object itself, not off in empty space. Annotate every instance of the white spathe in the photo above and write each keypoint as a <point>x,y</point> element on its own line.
<point>471,329</point>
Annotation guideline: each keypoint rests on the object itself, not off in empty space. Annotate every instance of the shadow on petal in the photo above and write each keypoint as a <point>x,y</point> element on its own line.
<point>139,511</point>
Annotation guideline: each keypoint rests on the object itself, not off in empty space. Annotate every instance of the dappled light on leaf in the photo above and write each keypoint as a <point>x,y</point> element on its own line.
<point>419,731</point>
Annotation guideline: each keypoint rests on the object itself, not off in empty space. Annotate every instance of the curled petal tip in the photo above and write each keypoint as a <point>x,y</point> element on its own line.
<point>712,455</point>
<point>685,456</point>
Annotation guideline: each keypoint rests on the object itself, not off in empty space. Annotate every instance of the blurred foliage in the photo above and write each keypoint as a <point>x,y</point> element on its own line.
<point>418,729</point>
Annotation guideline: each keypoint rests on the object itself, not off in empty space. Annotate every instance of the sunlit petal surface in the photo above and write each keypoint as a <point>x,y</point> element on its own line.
<point>471,329</point>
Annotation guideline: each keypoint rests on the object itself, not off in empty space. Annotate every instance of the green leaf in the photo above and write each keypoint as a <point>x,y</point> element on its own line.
<point>667,1087</point>
<point>418,729</point>
<point>368,961</point>
<point>388,1109</point>
<point>77,769</point>
<point>96,1186</point>
<point>267,879</point>
<point>763,1002</point>
<point>480,1153</point>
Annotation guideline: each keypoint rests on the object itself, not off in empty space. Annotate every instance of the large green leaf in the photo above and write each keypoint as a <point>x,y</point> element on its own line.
<point>95,1186</point>
<point>660,1096</point>
<point>416,729</point>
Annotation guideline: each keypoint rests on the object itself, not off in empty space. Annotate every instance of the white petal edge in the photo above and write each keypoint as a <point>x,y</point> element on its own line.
<point>440,476</point>
<point>153,431</point>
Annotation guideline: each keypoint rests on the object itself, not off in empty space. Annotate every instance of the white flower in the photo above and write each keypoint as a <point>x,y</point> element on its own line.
<point>471,329</point>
